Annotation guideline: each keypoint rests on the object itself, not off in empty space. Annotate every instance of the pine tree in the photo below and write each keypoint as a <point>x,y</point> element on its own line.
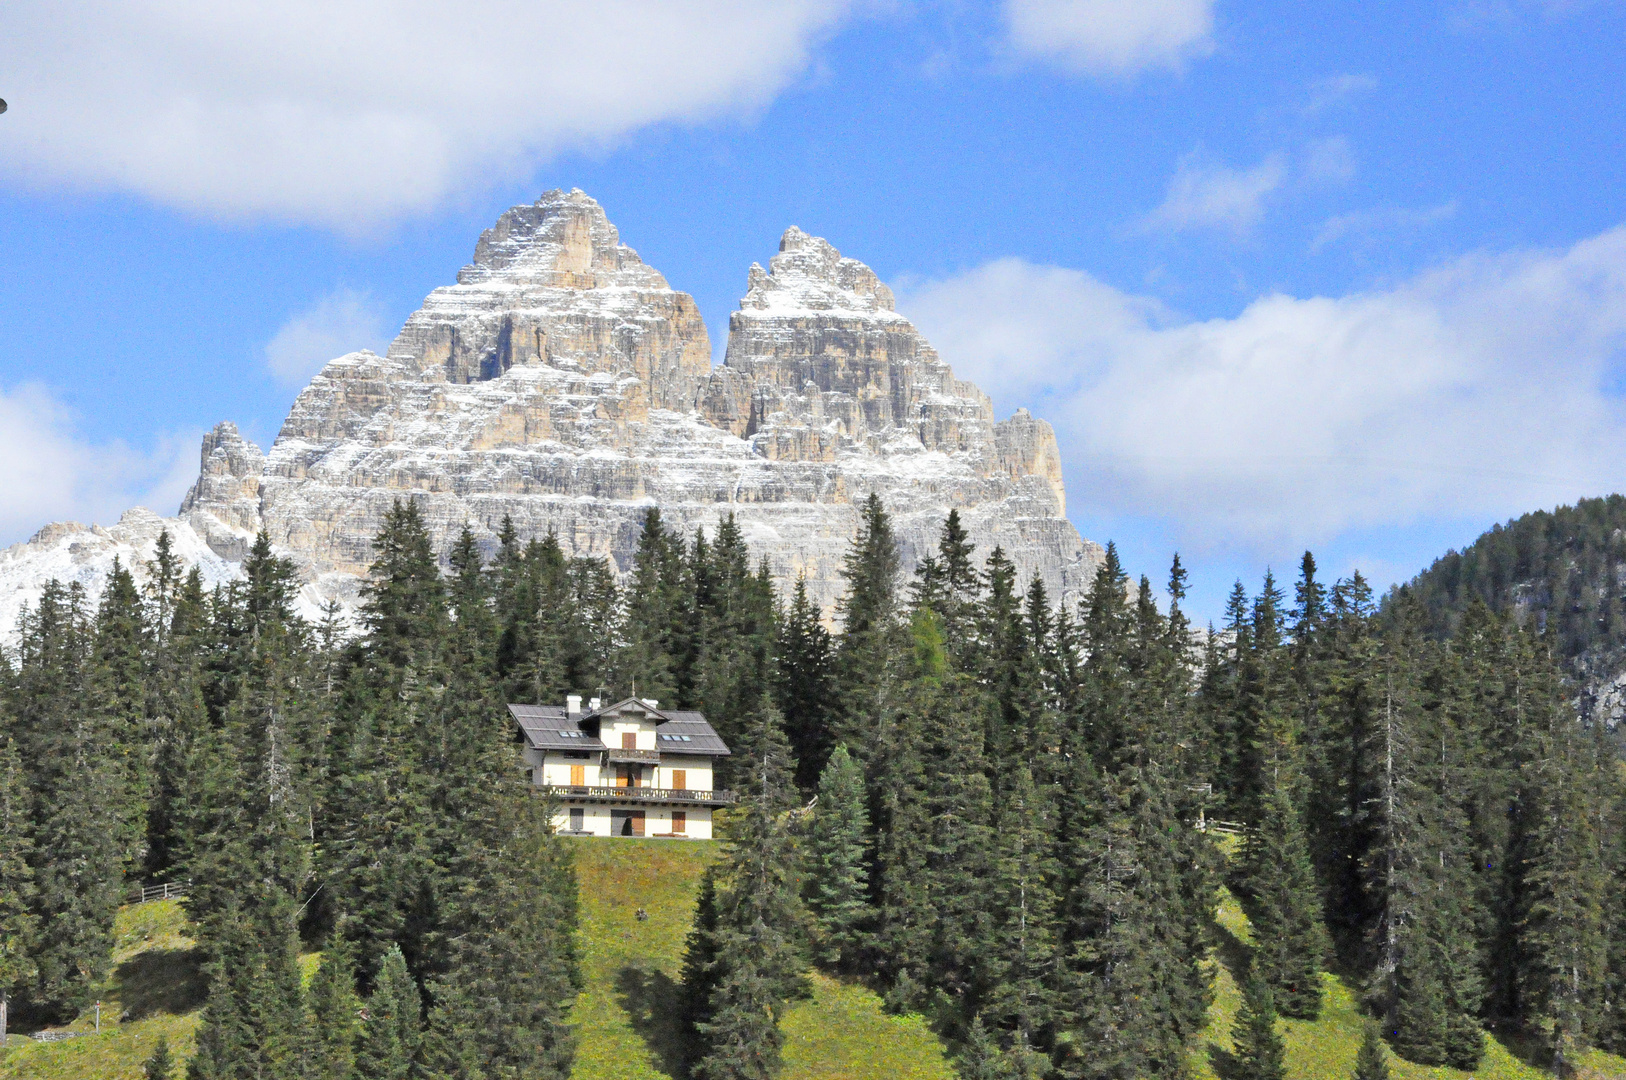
<point>752,962</point>
<point>1371,1063</point>
<point>653,621</point>
<point>980,1058</point>
<point>19,926</point>
<point>1261,1054</point>
<point>804,684</point>
<point>334,1013</point>
<point>836,879</point>
<point>392,1032</point>
<point>1283,905</point>
<point>160,1066</point>
<point>869,618</point>
<point>1021,962</point>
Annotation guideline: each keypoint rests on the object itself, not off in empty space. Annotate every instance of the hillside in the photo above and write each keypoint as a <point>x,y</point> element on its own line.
<point>1566,569</point>
<point>155,990</point>
<point>624,1014</point>
<point>626,1011</point>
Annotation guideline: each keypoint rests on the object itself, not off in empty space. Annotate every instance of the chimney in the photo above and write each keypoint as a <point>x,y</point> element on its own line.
<point>652,703</point>
<point>573,705</point>
<point>592,706</point>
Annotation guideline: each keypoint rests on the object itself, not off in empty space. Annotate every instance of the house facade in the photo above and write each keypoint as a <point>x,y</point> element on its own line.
<point>628,769</point>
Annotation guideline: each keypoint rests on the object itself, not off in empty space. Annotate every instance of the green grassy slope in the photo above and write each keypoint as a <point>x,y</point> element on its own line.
<point>155,989</point>
<point>1324,1049</point>
<point>626,1013</point>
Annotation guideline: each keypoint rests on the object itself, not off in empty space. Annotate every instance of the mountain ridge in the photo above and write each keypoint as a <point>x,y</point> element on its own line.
<point>562,383</point>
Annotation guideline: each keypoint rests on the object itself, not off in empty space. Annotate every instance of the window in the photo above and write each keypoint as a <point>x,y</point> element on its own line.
<point>680,821</point>
<point>629,740</point>
<point>577,820</point>
<point>680,778</point>
<point>578,775</point>
<point>675,738</point>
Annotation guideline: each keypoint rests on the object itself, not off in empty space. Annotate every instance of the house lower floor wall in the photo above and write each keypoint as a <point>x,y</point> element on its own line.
<point>596,819</point>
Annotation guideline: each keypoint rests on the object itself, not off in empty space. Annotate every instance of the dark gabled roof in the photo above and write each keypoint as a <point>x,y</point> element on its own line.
<point>547,728</point>
<point>616,707</point>
<point>689,733</point>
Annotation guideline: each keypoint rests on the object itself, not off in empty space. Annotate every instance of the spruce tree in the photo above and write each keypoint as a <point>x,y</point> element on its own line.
<point>393,1030</point>
<point>804,684</point>
<point>869,622</point>
<point>752,963</point>
<point>980,1057</point>
<point>1261,1054</point>
<point>1371,1063</point>
<point>836,879</point>
<point>1284,908</point>
<point>1021,961</point>
<point>160,1066</point>
<point>334,1013</point>
<point>19,926</point>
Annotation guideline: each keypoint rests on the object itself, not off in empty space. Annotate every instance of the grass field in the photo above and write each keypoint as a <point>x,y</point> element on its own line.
<point>155,990</point>
<point>625,1016</point>
<point>627,1010</point>
<point>1324,1049</point>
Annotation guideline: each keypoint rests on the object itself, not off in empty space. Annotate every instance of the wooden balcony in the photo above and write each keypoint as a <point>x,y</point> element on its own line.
<point>625,756</point>
<point>641,794</point>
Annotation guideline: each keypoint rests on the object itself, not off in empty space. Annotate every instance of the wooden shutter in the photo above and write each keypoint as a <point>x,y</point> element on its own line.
<point>680,778</point>
<point>629,740</point>
<point>578,775</point>
<point>680,821</point>
<point>621,776</point>
<point>637,823</point>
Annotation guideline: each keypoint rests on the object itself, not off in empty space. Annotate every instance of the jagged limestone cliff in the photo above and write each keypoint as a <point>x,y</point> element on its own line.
<point>564,384</point>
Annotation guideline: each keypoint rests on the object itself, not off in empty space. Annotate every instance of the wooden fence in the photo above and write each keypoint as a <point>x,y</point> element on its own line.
<point>169,890</point>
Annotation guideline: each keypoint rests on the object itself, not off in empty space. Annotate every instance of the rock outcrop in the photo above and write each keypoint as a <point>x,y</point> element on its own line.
<point>564,384</point>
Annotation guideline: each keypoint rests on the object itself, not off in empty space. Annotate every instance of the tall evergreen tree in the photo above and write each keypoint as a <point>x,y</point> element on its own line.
<point>1261,1053</point>
<point>394,1028</point>
<point>869,625</point>
<point>836,878</point>
<point>160,1066</point>
<point>19,926</point>
<point>804,684</point>
<point>1284,908</point>
<point>1371,1063</point>
<point>753,963</point>
<point>334,1013</point>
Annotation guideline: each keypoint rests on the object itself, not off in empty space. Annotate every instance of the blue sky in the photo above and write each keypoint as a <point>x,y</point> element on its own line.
<point>1349,277</point>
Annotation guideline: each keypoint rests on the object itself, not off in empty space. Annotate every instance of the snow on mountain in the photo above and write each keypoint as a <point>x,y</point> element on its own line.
<point>563,384</point>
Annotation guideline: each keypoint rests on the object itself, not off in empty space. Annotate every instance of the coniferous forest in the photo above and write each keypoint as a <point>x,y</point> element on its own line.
<point>984,804</point>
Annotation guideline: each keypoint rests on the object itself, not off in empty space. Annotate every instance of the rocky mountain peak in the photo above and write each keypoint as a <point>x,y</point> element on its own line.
<point>562,385</point>
<point>563,239</point>
<point>809,274</point>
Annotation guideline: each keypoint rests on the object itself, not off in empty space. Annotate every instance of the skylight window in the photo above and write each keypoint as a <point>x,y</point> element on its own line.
<point>570,735</point>
<point>676,738</point>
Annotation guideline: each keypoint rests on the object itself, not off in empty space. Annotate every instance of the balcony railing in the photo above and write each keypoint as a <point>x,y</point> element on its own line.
<point>641,794</point>
<point>628,755</point>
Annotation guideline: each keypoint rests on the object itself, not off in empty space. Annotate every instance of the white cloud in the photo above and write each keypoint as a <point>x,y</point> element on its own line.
<point>342,322</point>
<point>54,474</point>
<point>1381,219</point>
<point>1337,89</point>
<point>1486,387</point>
<point>1112,37</point>
<point>356,112</point>
<point>1206,196</point>
<point>1330,160</point>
